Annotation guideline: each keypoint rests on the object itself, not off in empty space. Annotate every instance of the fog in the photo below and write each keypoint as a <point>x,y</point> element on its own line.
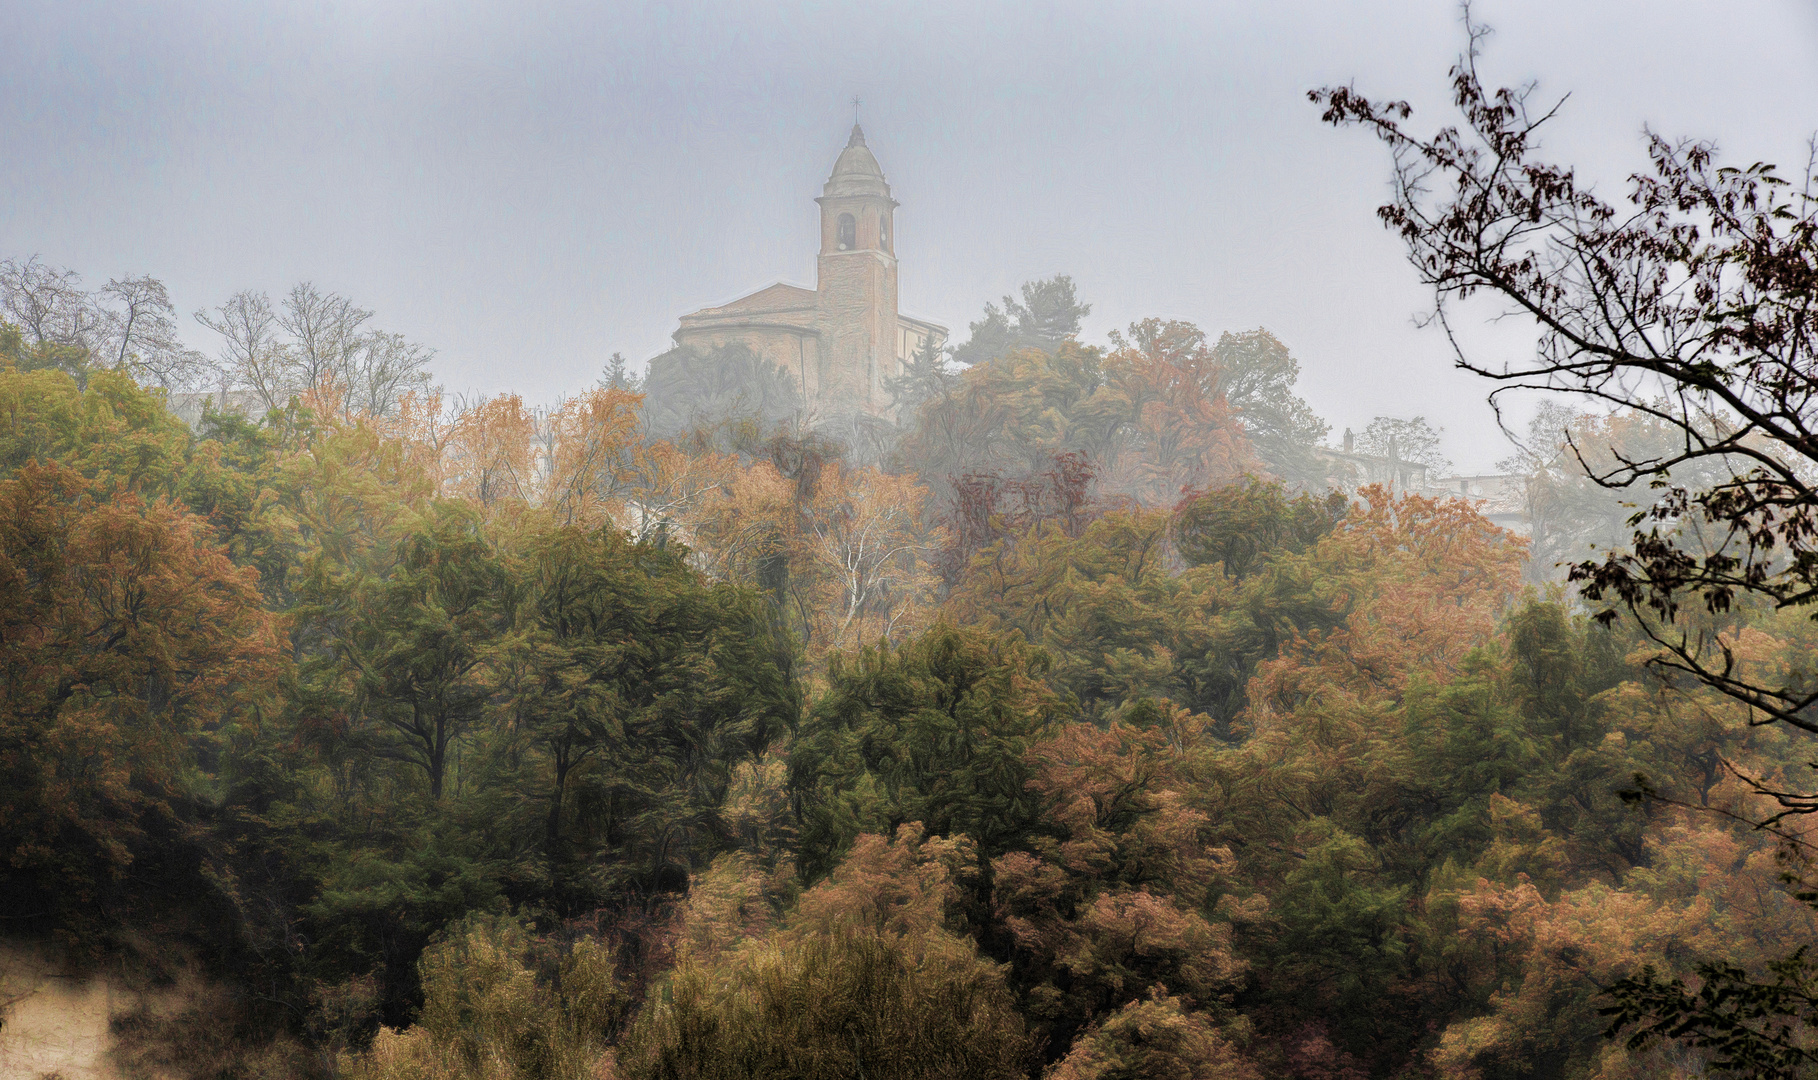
<point>666,583</point>
<point>530,188</point>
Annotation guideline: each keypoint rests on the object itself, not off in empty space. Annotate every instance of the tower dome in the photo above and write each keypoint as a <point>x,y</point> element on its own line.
<point>857,171</point>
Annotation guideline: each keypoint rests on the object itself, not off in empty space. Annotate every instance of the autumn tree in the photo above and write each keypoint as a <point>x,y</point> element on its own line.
<point>1257,374</point>
<point>1114,896</point>
<point>1149,419</point>
<point>988,508</point>
<point>1689,302</point>
<point>834,1005</point>
<point>1048,314</point>
<point>1240,525</point>
<point>1010,415</point>
<point>1321,795</point>
<point>737,520</point>
<point>869,973</point>
<point>1154,1038</point>
<point>124,632</point>
<point>1423,583</point>
<point>1160,425</point>
<point>503,1002</point>
<point>112,433</point>
<point>594,457</point>
<point>1103,604</point>
<point>1107,598</point>
<point>491,457</point>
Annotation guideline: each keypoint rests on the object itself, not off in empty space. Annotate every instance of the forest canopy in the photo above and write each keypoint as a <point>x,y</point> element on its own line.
<point>1085,716</point>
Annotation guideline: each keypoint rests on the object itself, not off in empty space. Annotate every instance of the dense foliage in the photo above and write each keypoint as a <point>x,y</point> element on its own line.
<point>691,759</point>
<point>1070,723</point>
<point>1684,315</point>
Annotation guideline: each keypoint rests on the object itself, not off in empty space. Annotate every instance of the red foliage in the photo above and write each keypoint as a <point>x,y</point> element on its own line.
<point>1111,903</point>
<point>124,630</point>
<point>989,507</point>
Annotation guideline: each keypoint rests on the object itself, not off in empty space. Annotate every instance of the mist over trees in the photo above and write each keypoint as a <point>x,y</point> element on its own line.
<point>1685,316</point>
<point>1158,413</point>
<point>1048,314</point>
<point>1083,719</point>
<point>128,323</point>
<point>686,390</point>
<point>310,340</point>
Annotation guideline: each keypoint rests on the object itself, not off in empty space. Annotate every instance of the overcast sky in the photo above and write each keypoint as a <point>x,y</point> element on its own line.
<point>528,187</point>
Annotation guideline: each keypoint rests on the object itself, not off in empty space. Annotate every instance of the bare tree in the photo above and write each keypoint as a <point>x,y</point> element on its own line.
<point>312,339</point>
<point>1405,446</point>
<point>49,304</point>
<point>325,333</point>
<point>382,369</point>
<point>251,354</point>
<point>129,324</point>
<point>315,340</point>
<point>141,334</point>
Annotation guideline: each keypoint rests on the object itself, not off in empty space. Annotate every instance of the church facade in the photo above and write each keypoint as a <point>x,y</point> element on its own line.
<point>840,341</point>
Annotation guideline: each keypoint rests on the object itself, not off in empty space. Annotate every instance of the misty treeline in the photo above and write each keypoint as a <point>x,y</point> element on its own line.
<point>486,741</point>
<point>1068,724</point>
<point>308,341</point>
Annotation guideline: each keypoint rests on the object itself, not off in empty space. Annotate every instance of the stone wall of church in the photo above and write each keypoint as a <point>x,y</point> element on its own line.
<point>858,324</point>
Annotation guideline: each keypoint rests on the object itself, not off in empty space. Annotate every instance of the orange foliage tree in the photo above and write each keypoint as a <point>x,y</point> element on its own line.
<point>124,631</point>
<point>594,443</point>
<point>1538,960</point>
<point>1160,424</point>
<point>491,453</point>
<point>1115,898</point>
<point>1421,582</point>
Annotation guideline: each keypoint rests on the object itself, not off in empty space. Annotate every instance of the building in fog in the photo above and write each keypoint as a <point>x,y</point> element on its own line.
<point>1503,498</point>
<point>842,339</point>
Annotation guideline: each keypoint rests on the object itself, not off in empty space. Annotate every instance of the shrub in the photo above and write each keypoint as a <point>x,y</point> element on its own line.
<point>490,1014</point>
<point>833,1005</point>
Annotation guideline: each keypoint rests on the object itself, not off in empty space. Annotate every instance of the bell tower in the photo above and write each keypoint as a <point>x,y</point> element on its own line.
<point>856,283</point>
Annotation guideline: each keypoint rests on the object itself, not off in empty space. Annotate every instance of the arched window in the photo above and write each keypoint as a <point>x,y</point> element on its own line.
<point>883,232</point>
<point>848,233</point>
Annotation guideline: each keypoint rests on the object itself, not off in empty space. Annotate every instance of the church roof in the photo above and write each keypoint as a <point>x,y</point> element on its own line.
<point>780,306</point>
<point>857,171</point>
<point>778,297</point>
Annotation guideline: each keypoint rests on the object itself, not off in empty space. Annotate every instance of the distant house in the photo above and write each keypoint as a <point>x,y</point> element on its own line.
<point>1500,497</point>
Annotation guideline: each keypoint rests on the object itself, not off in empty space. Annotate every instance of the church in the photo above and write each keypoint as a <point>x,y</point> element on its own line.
<point>840,341</point>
